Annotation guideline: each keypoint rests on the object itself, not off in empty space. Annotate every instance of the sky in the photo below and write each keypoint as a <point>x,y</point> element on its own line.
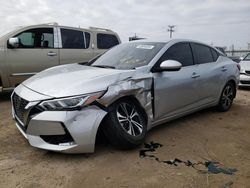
<point>217,22</point>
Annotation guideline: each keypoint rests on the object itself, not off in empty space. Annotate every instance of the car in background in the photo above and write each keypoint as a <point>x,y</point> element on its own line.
<point>124,93</point>
<point>28,50</point>
<point>245,71</point>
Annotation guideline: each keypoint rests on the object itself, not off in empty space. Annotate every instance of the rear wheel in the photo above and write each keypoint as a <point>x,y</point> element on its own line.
<point>125,125</point>
<point>227,97</point>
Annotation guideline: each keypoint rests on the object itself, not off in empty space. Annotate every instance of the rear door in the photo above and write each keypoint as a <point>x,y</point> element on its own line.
<point>35,53</point>
<point>75,46</point>
<point>175,92</point>
<point>210,70</point>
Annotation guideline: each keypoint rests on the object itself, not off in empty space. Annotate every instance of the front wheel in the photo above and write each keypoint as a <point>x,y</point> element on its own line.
<point>125,125</point>
<point>227,97</point>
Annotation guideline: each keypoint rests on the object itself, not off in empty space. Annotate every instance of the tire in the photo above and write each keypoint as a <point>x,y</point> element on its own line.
<point>227,97</point>
<point>125,125</point>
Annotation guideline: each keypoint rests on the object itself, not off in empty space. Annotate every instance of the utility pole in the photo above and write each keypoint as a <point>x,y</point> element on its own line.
<point>171,30</point>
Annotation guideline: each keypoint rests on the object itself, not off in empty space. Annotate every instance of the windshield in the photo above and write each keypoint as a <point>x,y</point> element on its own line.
<point>129,55</point>
<point>247,58</point>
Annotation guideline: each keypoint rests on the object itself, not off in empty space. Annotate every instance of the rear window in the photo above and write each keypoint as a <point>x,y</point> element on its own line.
<point>215,54</point>
<point>72,39</point>
<point>202,53</point>
<point>106,41</point>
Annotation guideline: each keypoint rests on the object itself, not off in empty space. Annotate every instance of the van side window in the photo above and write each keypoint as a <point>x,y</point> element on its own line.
<point>202,53</point>
<point>36,38</point>
<point>180,52</point>
<point>106,41</point>
<point>73,39</point>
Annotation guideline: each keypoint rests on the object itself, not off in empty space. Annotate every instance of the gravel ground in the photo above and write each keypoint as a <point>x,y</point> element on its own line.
<point>223,137</point>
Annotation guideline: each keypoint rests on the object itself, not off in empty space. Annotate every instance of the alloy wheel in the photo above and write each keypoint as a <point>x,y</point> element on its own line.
<point>227,96</point>
<point>129,119</point>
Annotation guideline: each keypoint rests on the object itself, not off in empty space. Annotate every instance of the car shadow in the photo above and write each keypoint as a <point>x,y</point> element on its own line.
<point>104,147</point>
<point>178,122</point>
<point>5,96</point>
<point>244,88</point>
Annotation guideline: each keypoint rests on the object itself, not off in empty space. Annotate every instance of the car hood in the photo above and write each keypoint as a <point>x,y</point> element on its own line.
<point>245,65</point>
<point>75,79</point>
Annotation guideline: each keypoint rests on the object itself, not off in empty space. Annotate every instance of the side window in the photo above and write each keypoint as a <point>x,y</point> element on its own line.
<point>106,41</point>
<point>87,38</point>
<point>215,54</point>
<point>47,40</point>
<point>72,39</point>
<point>36,38</point>
<point>26,39</point>
<point>180,52</point>
<point>202,54</point>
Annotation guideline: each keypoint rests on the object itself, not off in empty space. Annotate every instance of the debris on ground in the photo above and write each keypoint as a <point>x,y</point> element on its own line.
<point>216,168</point>
<point>227,185</point>
<point>213,167</point>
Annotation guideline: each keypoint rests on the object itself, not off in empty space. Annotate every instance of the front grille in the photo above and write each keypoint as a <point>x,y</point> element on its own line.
<point>19,105</point>
<point>245,82</point>
<point>248,72</point>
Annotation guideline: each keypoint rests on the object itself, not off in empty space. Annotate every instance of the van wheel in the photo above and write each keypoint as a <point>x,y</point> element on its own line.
<point>227,97</point>
<point>125,125</point>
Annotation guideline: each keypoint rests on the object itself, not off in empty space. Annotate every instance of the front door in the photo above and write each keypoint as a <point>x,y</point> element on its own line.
<point>35,53</point>
<point>175,92</point>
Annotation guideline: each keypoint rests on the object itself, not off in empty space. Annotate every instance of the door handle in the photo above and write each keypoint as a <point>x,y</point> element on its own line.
<point>223,69</point>
<point>51,53</point>
<point>195,75</point>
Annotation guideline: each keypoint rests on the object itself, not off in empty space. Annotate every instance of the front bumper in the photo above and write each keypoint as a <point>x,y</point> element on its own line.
<point>244,80</point>
<point>62,131</point>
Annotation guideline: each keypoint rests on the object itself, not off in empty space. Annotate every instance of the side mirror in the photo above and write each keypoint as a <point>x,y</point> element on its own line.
<point>241,58</point>
<point>13,42</point>
<point>170,65</point>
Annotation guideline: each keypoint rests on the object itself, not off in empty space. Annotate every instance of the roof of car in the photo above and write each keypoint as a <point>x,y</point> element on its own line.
<point>56,24</point>
<point>167,40</point>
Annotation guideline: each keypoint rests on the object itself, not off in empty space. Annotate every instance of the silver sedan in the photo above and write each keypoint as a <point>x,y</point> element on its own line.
<point>245,71</point>
<point>124,92</point>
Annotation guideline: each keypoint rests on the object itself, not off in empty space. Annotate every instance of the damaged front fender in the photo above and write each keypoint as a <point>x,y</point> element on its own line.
<point>140,88</point>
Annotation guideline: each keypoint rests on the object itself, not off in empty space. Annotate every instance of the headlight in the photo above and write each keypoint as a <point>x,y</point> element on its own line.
<point>70,103</point>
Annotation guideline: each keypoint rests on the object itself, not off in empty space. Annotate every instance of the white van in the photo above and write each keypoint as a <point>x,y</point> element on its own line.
<point>28,50</point>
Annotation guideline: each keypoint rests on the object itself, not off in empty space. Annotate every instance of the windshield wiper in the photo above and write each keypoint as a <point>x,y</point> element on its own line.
<point>104,66</point>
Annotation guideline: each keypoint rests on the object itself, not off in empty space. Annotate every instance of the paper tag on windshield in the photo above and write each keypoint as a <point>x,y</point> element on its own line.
<point>147,47</point>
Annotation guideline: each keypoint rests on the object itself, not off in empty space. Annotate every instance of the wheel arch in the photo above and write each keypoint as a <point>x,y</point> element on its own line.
<point>99,134</point>
<point>230,80</point>
<point>134,99</point>
<point>234,84</point>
